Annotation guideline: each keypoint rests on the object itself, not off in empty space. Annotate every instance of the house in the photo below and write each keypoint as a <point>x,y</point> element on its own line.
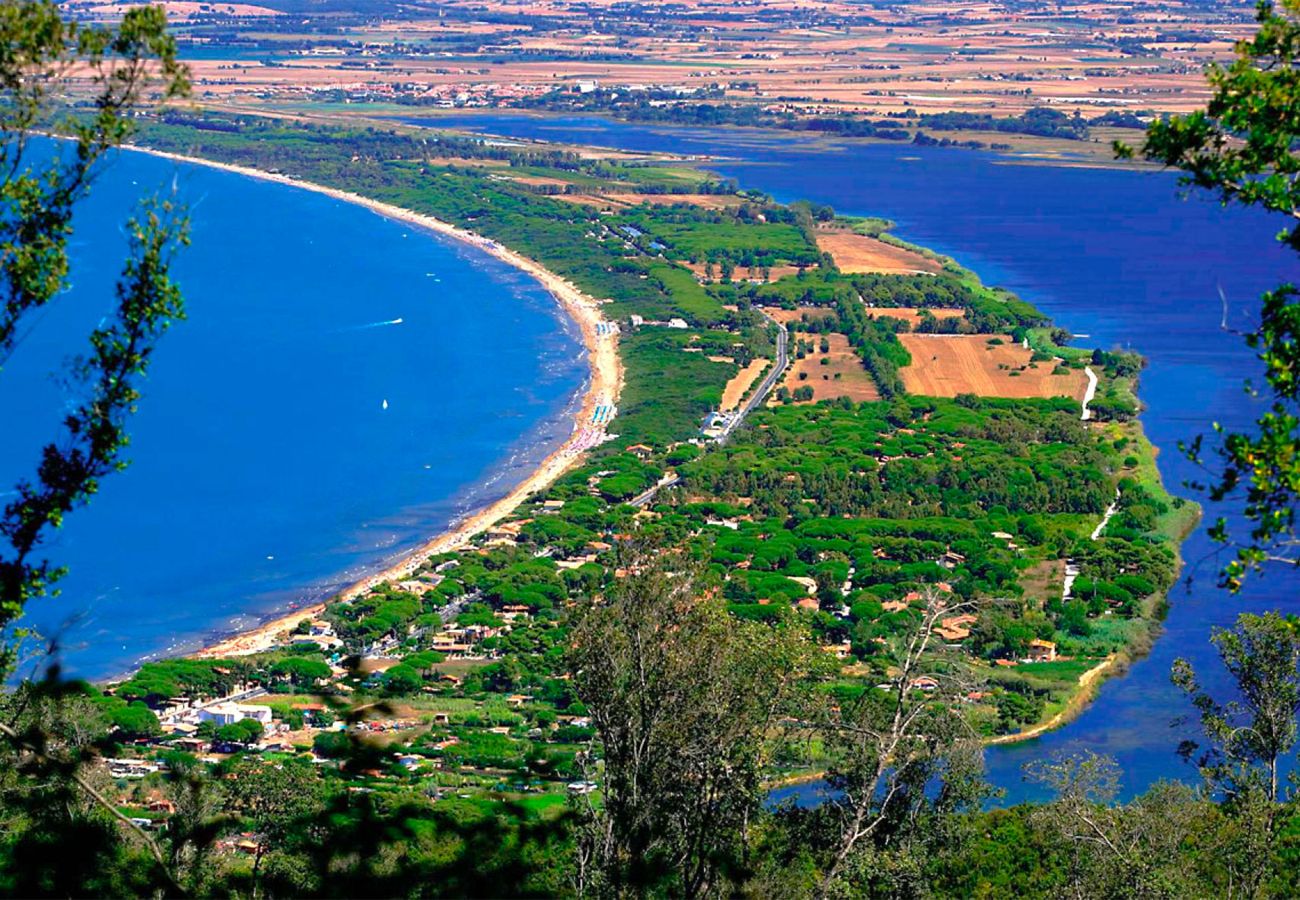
<point>452,648</point>
<point>956,628</point>
<point>677,323</point>
<point>576,561</point>
<point>506,534</point>
<point>808,584</point>
<point>951,560</point>
<point>1042,651</point>
<point>551,506</point>
<point>809,603</point>
<point>715,423</point>
<point>229,713</point>
<point>324,641</point>
<point>640,451</point>
<point>131,768</point>
<point>894,606</point>
<point>842,650</point>
<point>190,745</point>
<point>924,683</point>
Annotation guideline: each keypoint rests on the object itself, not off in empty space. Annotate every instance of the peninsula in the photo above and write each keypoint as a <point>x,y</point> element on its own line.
<point>916,441</point>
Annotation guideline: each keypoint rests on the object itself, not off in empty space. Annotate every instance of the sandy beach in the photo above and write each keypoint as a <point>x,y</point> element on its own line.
<point>603,387</point>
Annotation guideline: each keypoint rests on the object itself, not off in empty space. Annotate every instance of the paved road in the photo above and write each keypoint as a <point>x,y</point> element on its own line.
<point>645,497</point>
<point>768,383</point>
<point>764,388</point>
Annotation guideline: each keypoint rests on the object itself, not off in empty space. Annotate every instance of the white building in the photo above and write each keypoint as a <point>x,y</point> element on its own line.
<point>230,713</point>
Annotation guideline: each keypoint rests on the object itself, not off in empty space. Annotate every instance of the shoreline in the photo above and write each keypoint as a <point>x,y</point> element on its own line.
<point>604,385</point>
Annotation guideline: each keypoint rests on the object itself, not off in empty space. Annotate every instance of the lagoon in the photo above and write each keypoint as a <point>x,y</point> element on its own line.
<point>1114,254</point>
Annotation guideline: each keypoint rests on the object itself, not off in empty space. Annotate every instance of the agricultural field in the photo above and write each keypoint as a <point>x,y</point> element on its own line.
<point>835,373</point>
<point>1009,78</point>
<point>911,316</point>
<point>987,366</point>
<point>846,510</point>
<point>739,385</point>
<point>858,253</point>
<point>804,314</point>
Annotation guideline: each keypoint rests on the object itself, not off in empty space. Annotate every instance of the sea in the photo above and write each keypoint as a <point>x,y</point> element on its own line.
<point>1121,258</point>
<point>343,388</point>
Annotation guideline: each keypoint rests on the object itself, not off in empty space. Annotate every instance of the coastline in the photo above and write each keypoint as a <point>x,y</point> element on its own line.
<point>604,384</point>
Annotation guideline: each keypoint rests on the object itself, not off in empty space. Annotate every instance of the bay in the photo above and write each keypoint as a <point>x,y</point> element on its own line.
<point>344,387</point>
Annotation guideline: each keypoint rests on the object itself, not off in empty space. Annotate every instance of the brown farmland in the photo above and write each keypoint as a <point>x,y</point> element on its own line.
<point>911,315</point>
<point>735,390</point>
<point>948,365</point>
<point>796,315</point>
<point>855,253</point>
<point>852,382</point>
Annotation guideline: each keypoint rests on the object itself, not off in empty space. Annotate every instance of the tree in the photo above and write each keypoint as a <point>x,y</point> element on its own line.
<point>196,823</point>
<point>47,64</point>
<point>903,756</point>
<point>1244,147</point>
<point>1250,735</point>
<point>1133,850</point>
<point>275,797</point>
<point>135,720</point>
<point>301,672</point>
<point>41,55</point>
<point>683,698</point>
<point>245,731</point>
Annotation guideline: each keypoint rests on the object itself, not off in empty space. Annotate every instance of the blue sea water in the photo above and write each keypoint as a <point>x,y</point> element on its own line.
<point>345,386</point>
<point>1117,255</point>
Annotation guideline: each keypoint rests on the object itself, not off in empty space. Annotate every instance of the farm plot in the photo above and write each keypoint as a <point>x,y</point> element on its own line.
<point>793,317</point>
<point>911,315</point>
<point>855,253</point>
<point>947,365</point>
<point>739,385</point>
<point>840,375</point>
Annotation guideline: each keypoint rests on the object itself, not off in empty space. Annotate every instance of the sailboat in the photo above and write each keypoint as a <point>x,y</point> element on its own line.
<point>385,404</point>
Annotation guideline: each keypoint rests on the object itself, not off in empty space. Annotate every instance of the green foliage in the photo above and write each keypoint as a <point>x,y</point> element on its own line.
<point>245,731</point>
<point>668,391</point>
<point>135,720</point>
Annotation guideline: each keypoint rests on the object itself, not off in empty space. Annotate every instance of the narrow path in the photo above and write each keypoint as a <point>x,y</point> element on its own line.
<point>1090,393</point>
<point>1105,519</point>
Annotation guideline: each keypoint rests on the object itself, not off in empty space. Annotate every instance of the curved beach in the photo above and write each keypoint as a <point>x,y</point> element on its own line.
<point>603,386</point>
